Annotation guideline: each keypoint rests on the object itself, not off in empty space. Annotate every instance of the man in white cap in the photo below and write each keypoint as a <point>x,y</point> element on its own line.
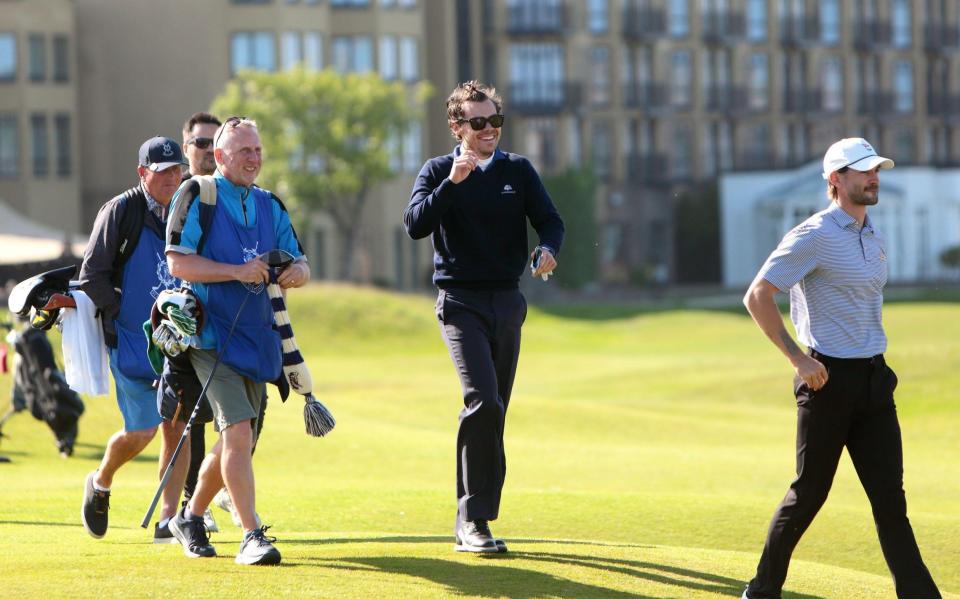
<point>835,266</point>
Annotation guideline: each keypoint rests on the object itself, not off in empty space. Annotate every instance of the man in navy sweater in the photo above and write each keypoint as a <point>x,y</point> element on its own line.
<point>475,202</point>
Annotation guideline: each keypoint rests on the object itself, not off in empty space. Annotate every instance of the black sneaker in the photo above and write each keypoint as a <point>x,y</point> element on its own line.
<point>474,536</point>
<point>94,509</point>
<point>257,549</point>
<point>162,536</point>
<point>192,535</point>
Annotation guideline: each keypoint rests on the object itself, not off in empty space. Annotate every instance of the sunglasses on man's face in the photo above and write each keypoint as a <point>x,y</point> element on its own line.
<point>230,122</point>
<point>478,123</point>
<point>201,142</point>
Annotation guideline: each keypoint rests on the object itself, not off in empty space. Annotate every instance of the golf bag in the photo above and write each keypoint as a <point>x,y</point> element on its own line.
<point>40,386</point>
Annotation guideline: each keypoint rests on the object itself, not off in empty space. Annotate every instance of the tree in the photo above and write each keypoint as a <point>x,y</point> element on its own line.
<point>327,139</point>
<point>950,257</point>
<point>573,193</point>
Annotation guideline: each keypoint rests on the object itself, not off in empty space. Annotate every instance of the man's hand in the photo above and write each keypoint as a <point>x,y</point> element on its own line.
<point>295,275</point>
<point>547,262</point>
<point>463,165</point>
<point>254,271</point>
<point>813,372</point>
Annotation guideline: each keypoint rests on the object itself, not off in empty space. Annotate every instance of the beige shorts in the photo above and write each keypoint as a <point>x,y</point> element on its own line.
<point>233,397</point>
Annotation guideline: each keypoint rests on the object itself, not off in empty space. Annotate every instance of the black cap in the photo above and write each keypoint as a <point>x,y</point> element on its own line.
<point>160,153</point>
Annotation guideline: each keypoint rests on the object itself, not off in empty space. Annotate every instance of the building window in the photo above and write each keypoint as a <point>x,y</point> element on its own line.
<point>905,146</point>
<point>387,58</point>
<point>544,15</point>
<point>9,146</point>
<point>313,50</point>
<point>903,86</point>
<point>61,59</point>
<point>597,16</point>
<point>8,56</point>
<point>536,73</point>
<point>900,23</point>
<point>573,142</point>
<point>350,3</point>
<point>600,144</point>
<point>757,20</point>
<point>725,145</point>
<point>291,49</point>
<point>708,150</point>
<point>61,141</point>
<point>253,50</point>
<point>409,59</point>
<point>37,49</point>
<point>304,48</point>
<point>541,144</point>
<point>830,21</point>
<point>678,17</point>
<point>831,79</point>
<point>682,159</point>
<point>600,75</point>
<point>352,54</point>
<point>39,149</point>
<point>682,77</point>
<point>759,81</point>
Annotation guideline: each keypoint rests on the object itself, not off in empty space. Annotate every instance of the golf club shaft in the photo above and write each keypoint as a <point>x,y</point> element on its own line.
<point>186,431</point>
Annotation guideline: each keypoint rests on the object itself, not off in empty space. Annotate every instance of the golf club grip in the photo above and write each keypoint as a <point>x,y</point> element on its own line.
<point>186,431</point>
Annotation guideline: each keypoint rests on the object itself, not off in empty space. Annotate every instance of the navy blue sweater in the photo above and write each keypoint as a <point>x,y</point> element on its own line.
<point>479,225</point>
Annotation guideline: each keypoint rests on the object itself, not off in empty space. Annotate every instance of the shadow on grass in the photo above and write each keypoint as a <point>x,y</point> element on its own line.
<point>449,539</point>
<point>506,579</point>
<point>37,523</point>
<point>479,579</point>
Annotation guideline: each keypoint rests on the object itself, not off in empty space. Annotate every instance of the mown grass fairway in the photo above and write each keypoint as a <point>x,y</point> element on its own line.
<point>646,455</point>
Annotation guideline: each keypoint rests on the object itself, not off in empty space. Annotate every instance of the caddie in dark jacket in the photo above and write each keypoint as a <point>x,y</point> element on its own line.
<point>475,203</point>
<point>123,279</point>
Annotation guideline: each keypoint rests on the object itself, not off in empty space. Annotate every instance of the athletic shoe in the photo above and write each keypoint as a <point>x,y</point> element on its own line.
<point>163,536</point>
<point>257,549</point>
<point>501,545</point>
<point>222,500</point>
<point>94,509</point>
<point>193,536</point>
<point>209,522</point>
<point>744,596</point>
<point>474,536</point>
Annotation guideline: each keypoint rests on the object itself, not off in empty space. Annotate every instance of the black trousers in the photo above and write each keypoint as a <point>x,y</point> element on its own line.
<point>482,332</point>
<point>855,409</point>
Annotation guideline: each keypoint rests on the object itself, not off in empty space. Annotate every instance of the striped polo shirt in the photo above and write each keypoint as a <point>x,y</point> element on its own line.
<point>835,271</point>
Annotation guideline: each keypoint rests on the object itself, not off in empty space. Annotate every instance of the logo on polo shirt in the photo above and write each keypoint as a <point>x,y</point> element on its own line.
<point>508,189</point>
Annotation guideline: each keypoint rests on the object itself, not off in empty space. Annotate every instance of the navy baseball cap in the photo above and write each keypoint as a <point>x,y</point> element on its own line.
<point>160,153</point>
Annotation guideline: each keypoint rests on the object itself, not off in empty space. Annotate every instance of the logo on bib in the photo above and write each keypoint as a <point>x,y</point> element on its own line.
<point>248,255</point>
<point>165,280</point>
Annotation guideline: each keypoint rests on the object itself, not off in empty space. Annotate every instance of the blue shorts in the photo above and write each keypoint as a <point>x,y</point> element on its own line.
<point>136,398</point>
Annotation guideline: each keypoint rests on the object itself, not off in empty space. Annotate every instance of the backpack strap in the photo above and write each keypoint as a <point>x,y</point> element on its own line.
<point>132,209</point>
<point>208,202</point>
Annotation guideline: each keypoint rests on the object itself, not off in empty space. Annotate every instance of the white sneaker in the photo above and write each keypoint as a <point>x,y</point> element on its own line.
<point>744,595</point>
<point>209,522</point>
<point>222,500</point>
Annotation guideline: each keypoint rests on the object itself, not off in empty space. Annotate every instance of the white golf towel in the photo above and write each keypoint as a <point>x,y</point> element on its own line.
<point>84,352</point>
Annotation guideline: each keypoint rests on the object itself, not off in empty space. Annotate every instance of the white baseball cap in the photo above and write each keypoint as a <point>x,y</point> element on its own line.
<point>854,152</point>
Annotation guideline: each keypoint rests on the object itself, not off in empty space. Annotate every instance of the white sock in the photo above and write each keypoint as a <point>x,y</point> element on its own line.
<point>163,523</point>
<point>97,487</point>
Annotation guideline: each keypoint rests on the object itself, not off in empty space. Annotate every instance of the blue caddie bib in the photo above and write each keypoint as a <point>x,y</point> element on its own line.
<point>254,348</point>
<point>145,275</point>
